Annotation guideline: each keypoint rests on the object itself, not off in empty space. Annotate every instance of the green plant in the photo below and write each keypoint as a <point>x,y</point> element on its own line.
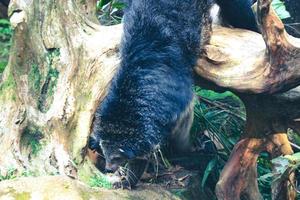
<point>5,43</point>
<point>29,173</point>
<point>110,11</point>
<point>10,174</point>
<point>2,66</point>
<point>50,82</point>
<point>100,181</point>
<point>9,83</point>
<point>221,115</point>
<point>280,9</point>
<point>34,77</point>
<point>7,87</point>
<point>31,138</point>
<point>264,169</point>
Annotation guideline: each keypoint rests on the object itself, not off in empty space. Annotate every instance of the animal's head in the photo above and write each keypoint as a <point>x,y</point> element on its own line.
<point>115,155</point>
<point>117,152</point>
<point>121,142</point>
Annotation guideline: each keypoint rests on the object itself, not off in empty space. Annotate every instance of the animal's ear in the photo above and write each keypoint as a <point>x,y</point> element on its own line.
<point>93,144</point>
<point>127,153</point>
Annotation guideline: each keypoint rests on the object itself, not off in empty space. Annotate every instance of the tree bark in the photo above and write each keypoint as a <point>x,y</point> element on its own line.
<point>245,62</point>
<point>239,176</point>
<point>261,71</point>
<point>61,64</point>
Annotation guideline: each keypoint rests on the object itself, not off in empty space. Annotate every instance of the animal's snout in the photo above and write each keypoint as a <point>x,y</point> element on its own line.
<point>111,168</point>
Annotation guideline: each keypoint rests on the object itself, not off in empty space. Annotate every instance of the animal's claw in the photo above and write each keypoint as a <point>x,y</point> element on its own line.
<point>123,184</point>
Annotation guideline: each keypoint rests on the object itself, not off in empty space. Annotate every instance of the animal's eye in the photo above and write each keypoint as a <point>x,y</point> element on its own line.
<point>117,158</point>
<point>121,150</point>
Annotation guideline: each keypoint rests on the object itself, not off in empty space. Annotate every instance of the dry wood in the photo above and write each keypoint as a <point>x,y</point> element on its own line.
<point>62,62</point>
<point>245,62</point>
<point>60,66</point>
<point>239,176</point>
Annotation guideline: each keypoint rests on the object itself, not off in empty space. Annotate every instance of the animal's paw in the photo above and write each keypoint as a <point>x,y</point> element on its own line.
<point>118,182</point>
<point>122,184</point>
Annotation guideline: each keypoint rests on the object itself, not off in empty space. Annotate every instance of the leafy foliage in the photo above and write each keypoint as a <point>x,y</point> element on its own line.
<point>5,42</point>
<point>31,138</point>
<point>100,181</point>
<point>264,169</point>
<point>221,117</point>
<point>280,9</point>
<point>10,174</point>
<point>110,11</point>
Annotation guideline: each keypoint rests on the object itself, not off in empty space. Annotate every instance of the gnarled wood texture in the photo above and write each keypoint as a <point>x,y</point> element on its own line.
<point>61,64</point>
<point>239,176</point>
<point>255,68</point>
<point>240,61</point>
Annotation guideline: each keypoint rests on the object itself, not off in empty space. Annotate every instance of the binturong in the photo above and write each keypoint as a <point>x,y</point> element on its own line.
<point>149,102</point>
<point>150,97</point>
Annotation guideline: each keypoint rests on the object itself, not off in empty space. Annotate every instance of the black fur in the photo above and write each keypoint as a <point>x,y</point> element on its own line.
<point>293,6</point>
<point>5,2</point>
<point>238,13</point>
<point>292,24</point>
<point>153,85</point>
<point>151,96</point>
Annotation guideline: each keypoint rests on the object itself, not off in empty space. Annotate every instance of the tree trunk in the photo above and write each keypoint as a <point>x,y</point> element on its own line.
<point>60,65</point>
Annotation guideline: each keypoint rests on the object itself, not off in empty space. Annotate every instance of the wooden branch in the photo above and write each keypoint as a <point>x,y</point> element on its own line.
<point>242,61</point>
<point>239,176</point>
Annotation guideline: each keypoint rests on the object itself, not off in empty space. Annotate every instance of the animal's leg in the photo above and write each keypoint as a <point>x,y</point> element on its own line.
<point>180,139</point>
<point>132,174</point>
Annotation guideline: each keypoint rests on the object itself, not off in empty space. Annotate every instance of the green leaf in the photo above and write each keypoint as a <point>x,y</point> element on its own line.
<point>266,178</point>
<point>2,66</point>
<point>280,9</point>
<point>100,181</point>
<point>118,5</point>
<point>293,159</point>
<point>211,165</point>
<point>284,165</point>
<point>4,22</point>
<point>102,3</point>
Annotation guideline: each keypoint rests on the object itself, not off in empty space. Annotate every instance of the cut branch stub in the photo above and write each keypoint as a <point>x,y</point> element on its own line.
<point>241,61</point>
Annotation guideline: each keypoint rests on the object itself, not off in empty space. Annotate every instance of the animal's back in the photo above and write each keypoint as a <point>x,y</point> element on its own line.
<point>151,95</point>
<point>153,86</point>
